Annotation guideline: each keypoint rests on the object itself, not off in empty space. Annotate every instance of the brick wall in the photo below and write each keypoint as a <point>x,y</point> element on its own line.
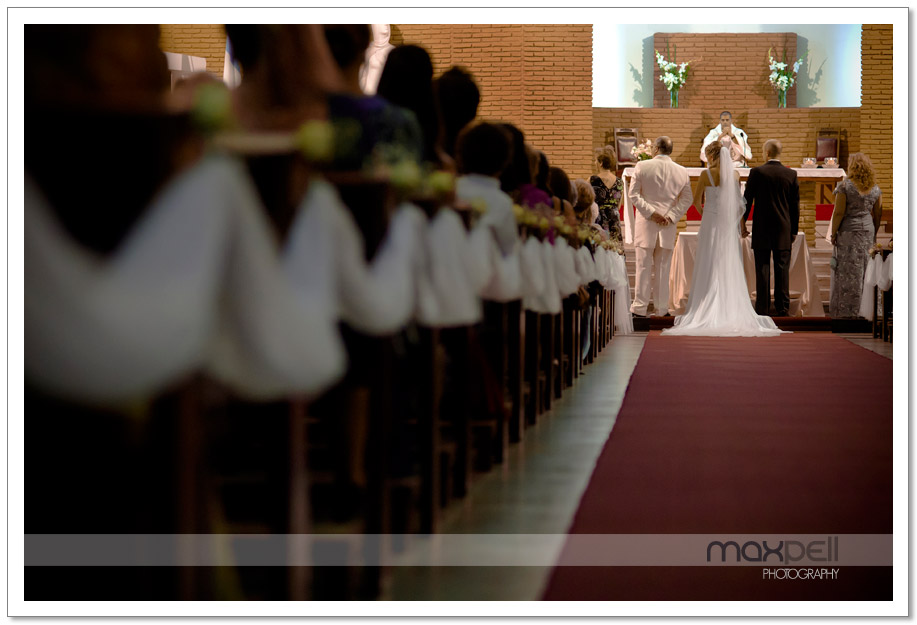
<point>729,70</point>
<point>205,40</point>
<point>876,106</point>
<point>536,76</point>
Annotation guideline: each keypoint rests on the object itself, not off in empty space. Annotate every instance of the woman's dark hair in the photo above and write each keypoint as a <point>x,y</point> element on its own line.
<point>407,81</point>
<point>89,63</point>
<point>483,148</point>
<point>348,42</point>
<point>518,172</point>
<point>541,176</point>
<point>246,41</point>
<point>458,98</point>
<point>93,93</point>
<point>559,184</point>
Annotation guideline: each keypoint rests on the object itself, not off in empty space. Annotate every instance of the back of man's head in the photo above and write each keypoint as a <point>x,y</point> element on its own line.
<point>772,148</point>
<point>663,145</point>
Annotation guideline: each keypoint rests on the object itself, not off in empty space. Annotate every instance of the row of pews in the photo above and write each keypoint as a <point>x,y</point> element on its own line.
<point>419,415</point>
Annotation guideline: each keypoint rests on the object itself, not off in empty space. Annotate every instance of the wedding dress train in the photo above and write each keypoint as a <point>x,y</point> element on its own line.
<point>718,303</point>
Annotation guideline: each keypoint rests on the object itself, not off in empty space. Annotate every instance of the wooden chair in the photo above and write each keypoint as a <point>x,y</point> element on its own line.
<point>516,370</point>
<point>354,435</point>
<point>569,338</point>
<point>887,219</point>
<point>532,348</point>
<point>827,145</point>
<point>624,140</point>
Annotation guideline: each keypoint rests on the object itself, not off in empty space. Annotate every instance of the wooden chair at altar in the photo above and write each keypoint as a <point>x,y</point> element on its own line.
<point>827,145</point>
<point>624,139</point>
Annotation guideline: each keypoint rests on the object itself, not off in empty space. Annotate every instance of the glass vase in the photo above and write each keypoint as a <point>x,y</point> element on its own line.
<point>673,98</point>
<point>781,99</point>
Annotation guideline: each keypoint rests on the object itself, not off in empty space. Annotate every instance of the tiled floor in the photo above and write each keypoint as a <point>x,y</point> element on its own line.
<point>536,491</point>
<point>875,345</point>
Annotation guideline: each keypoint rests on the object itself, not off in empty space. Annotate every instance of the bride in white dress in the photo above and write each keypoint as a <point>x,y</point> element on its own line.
<point>718,303</point>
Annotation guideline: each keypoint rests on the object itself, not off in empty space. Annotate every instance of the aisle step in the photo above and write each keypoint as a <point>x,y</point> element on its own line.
<point>794,324</point>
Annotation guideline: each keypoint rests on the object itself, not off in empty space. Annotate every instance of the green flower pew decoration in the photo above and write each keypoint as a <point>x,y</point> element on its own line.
<point>212,110</point>
<point>316,140</point>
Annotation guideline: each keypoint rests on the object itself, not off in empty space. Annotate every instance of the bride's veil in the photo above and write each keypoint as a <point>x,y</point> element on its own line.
<point>730,199</point>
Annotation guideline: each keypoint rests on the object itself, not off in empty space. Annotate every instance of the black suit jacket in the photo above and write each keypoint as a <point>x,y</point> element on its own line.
<point>774,191</point>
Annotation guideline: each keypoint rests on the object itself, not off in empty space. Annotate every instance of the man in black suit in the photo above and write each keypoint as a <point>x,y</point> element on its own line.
<point>774,191</point>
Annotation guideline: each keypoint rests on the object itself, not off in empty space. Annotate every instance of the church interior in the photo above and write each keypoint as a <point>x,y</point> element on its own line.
<point>347,313</point>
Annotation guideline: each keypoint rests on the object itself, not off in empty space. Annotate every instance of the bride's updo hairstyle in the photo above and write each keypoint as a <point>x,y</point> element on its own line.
<point>713,153</point>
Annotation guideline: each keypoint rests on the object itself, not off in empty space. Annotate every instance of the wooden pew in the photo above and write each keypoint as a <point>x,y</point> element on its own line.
<point>533,357</point>
<point>516,333</point>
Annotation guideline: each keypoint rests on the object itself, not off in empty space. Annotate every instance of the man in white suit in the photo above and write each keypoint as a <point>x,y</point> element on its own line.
<point>661,193</point>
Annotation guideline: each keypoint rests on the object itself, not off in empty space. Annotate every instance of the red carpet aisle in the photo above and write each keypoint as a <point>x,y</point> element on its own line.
<point>791,434</point>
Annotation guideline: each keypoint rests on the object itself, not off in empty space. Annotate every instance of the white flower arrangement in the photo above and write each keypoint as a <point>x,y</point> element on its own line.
<point>781,76</point>
<point>674,75</point>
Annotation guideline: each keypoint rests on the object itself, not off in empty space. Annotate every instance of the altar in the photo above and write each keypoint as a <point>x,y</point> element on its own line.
<point>805,295</point>
<point>806,176</point>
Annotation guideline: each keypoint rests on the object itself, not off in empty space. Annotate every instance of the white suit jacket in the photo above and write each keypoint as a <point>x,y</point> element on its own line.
<point>741,154</point>
<point>662,186</point>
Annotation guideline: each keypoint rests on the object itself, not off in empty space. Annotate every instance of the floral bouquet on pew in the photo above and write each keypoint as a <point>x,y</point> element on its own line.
<point>875,249</point>
<point>613,245</point>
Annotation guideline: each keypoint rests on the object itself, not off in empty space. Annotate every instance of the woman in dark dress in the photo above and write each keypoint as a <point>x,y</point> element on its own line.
<point>609,190</point>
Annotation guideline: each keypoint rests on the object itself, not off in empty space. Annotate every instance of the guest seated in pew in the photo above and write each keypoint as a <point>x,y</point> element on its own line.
<point>517,179</point>
<point>458,98</point>
<point>561,194</point>
<point>101,108</point>
<point>279,91</point>
<point>363,122</point>
<point>277,95</point>
<point>482,153</point>
<point>585,208</point>
<point>586,212</point>
<point>540,167</point>
<point>407,81</point>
